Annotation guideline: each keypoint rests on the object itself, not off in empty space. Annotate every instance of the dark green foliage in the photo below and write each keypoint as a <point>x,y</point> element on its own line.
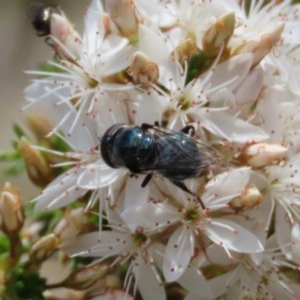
<point>25,286</point>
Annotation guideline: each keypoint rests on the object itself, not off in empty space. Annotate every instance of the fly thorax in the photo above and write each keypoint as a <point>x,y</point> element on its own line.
<point>134,149</point>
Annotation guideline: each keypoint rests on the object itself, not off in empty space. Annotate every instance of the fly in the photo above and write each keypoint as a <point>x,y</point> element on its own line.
<point>151,149</point>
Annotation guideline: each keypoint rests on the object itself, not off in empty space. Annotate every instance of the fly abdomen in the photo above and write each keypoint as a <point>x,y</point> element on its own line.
<point>180,158</point>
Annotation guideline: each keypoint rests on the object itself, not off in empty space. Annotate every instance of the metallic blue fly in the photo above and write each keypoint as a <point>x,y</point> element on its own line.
<point>151,149</point>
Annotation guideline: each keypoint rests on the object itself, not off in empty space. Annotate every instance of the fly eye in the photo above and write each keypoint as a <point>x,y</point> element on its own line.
<point>107,143</point>
<point>105,147</point>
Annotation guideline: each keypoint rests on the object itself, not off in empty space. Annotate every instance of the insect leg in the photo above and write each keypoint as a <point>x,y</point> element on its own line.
<point>184,188</point>
<point>50,43</point>
<point>146,126</point>
<point>146,180</point>
<point>189,130</point>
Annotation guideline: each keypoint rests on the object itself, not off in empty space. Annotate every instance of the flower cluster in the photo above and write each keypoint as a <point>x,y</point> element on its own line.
<point>228,68</point>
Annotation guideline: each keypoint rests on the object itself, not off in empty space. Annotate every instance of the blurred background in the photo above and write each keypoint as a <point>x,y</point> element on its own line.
<point>21,49</point>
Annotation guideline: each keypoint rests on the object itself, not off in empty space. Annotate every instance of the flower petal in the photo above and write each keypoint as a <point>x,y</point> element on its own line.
<point>219,284</point>
<point>283,229</point>
<point>231,128</point>
<point>134,193</point>
<point>76,134</point>
<point>150,108</point>
<point>150,44</point>
<point>232,236</point>
<point>217,255</point>
<point>94,29</point>
<point>95,244</point>
<point>237,66</point>
<point>61,192</point>
<point>194,282</point>
<point>295,244</point>
<point>149,284</point>
<point>225,186</point>
<point>178,253</point>
<point>153,216</point>
<point>98,175</point>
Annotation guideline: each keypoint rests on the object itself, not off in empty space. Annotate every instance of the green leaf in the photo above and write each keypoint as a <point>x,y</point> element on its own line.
<point>50,218</point>
<point>15,168</point>
<point>25,285</point>
<point>19,132</point>
<point>9,155</point>
<point>4,243</point>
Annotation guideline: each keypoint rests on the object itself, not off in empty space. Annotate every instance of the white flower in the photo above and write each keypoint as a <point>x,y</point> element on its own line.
<point>254,276</point>
<point>257,20</point>
<point>191,226</point>
<point>284,193</point>
<point>141,62</point>
<point>89,172</point>
<point>82,83</point>
<point>189,101</point>
<point>125,246</point>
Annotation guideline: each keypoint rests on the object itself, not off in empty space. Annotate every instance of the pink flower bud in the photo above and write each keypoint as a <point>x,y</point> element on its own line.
<point>43,248</point>
<point>11,210</point>
<point>143,70</point>
<point>84,277</point>
<point>123,13</point>
<point>186,49</point>
<point>65,38</point>
<point>249,198</point>
<point>71,224</point>
<point>259,155</point>
<point>261,46</point>
<point>37,167</point>
<point>219,34</point>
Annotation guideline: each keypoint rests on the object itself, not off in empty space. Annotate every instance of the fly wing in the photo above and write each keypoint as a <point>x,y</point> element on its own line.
<point>179,156</point>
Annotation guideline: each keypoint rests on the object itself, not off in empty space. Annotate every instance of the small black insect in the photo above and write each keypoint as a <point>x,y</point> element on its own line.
<point>40,16</point>
<point>150,149</point>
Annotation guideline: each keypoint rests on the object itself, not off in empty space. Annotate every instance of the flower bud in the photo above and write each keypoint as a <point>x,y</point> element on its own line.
<point>143,70</point>
<point>112,281</point>
<point>50,21</point>
<point>259,155</point>
<point>84,277</point>
<point>261,47</point>
<point>186,49</point>
<point>249,198</point>
<point>71,224</point>
<point>123,13</point>
<point>108,24</point>
<point>43,248</point>
<point>101,293</point>
<point>219,34</point>
<point>39,125</point>
<point>65,38</point>
<point>36,165</point>
<point>11,210</point>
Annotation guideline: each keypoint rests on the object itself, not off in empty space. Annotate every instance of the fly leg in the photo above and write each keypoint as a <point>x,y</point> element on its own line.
<point>146,126</point>
<point>189,130</point>
<point>146,180</point>
<point>184,188</point>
